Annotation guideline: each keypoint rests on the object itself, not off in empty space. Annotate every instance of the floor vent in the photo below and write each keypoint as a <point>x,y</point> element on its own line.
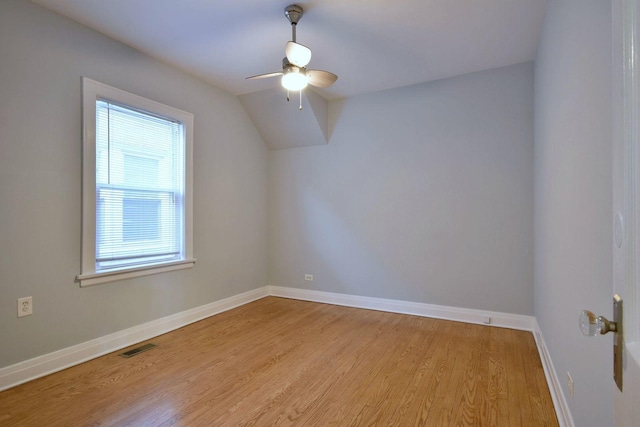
<point>137,350</point>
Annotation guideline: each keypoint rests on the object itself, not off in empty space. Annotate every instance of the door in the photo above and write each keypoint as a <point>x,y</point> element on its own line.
<point>626,200</point>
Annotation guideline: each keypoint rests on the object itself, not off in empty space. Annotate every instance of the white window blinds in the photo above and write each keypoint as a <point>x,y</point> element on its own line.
<point>140,185</point>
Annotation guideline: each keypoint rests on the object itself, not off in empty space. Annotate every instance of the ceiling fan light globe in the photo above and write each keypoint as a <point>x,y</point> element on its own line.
<point>294,81</point>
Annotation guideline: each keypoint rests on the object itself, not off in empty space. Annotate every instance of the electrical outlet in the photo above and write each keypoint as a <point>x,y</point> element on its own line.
<point>570,384</point>
<point>308,277</point>
<point>25,306</point>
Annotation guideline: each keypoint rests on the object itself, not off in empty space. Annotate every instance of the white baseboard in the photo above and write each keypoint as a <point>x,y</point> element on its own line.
<point>557,395</point>
<point>31,369</point>
<point>466,315</point>
<point>40,366</point>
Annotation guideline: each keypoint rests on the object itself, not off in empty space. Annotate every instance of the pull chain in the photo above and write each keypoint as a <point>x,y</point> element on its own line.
<point>289,99</point>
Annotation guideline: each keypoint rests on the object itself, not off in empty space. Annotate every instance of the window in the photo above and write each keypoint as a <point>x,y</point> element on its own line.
<point>136,197</point>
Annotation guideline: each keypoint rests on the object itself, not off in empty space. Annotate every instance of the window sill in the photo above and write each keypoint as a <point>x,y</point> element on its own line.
<point>92,279</point>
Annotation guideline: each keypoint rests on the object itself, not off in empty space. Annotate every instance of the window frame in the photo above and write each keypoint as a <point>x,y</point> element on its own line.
<point>93,91</point>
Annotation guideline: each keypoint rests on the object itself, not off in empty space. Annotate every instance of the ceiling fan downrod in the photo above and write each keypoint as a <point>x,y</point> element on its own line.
<point>293,13</point>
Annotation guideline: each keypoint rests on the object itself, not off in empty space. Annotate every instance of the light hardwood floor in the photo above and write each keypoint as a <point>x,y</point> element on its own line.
<point>284,362</point>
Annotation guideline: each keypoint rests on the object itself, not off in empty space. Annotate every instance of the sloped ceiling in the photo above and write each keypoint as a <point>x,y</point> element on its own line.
<point>371,45</point>
<point>282,124</point>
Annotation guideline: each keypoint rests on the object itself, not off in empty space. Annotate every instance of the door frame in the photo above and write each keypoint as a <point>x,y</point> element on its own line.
<point>626,157</point>
<point>626,196</point>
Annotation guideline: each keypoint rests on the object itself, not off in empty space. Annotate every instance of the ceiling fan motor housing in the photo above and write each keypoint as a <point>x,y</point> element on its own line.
<point>288,67</point>
<point>286,64</point>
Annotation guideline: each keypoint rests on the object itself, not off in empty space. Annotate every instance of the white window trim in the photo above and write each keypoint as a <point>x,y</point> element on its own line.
<point>91,92</point>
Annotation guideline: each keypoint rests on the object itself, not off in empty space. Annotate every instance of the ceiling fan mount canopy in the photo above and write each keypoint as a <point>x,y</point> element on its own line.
<point>293,12</point>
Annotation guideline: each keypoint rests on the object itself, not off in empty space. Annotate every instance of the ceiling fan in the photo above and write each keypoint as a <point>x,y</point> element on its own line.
<point>295,75</point>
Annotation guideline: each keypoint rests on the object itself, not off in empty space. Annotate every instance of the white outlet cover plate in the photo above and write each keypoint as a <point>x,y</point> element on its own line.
<point>25,306</point>
<point>570,385</point>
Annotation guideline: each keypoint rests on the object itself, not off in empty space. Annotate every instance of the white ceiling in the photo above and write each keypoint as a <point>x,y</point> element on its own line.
<point>370,44</point>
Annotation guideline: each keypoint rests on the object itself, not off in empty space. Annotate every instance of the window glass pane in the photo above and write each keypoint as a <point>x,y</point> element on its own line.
<point>141,170</point>
<point>139,187</point>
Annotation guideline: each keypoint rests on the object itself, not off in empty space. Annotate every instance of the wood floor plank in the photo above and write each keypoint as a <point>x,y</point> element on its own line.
<point>347,392</point>
<point>439,369</point>
<point>408,406</point>
<point>337,359</point>
<point>452,396</point>
<point>387,385</point>
<point>285,362</point>
<point>497,393</point>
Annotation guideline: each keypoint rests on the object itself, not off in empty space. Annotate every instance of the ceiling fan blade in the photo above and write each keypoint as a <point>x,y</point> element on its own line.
<point>264,76</point>
<point>298,54</point>
<point>321,78</point>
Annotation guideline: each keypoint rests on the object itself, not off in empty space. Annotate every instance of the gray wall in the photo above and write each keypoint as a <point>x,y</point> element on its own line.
<point>573,199</point>
<point>424,193</point>
<point>42,57</point>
